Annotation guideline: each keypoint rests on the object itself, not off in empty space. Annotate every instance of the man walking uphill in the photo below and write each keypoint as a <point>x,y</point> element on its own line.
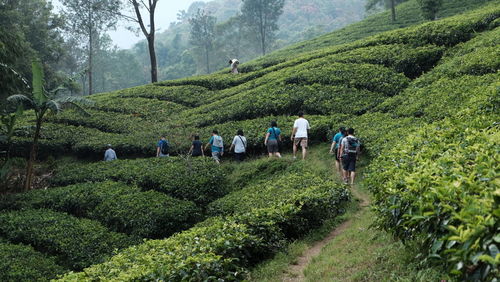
<point>349,152</point>
<point>299,135</point>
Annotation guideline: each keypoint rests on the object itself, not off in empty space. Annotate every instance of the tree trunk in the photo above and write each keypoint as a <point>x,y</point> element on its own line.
<point>393,10</point>
<point>207,60</point>
<point>152,57</point>
<point>90,55</point>
<point>33,151</point>
<point>262,34</point>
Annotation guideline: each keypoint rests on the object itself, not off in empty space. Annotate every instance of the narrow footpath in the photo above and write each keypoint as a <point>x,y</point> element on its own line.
<point>295,272</point>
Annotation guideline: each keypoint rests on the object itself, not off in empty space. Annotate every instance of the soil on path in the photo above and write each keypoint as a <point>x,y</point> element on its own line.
<point>295,272</point>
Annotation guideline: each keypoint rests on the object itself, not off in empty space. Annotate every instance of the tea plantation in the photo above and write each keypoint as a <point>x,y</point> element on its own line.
<point>424,98</point>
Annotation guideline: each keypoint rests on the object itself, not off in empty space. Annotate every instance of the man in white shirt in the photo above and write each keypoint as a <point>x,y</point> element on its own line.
<point>239,144</point>
<point>234,65</point>
<point>110,154</point>
<point>299,135</point>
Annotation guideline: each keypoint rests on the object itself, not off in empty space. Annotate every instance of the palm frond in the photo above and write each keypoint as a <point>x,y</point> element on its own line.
<point>76,103</point>
<point>21,99</point>
<point>53,106</point>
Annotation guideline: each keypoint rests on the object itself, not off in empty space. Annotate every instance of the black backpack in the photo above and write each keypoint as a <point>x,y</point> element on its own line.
<point>164,148</point>
<point>353,144</point>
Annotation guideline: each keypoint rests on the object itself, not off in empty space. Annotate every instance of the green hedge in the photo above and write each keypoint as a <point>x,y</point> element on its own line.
<point>77,243</point>
<point>22,263</point>
<point>439,186</point>
<point>198,180</point>
<point>222,248</point>
<point>119,207</point>
<point>190,96</point>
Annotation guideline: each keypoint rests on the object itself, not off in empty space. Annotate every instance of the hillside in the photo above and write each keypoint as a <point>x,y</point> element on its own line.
<point>423,99</point>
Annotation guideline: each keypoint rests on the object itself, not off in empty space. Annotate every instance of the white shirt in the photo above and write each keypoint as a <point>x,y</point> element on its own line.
<point>234,65</point>
<point>239,144</point>
<point>302,126</point>
<point>110,155</point>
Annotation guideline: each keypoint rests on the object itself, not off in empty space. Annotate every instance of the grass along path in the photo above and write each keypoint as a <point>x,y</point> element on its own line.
<point>346,248</point>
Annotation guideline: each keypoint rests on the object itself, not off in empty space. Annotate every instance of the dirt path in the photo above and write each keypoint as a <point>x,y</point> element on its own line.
<point>295,272</point>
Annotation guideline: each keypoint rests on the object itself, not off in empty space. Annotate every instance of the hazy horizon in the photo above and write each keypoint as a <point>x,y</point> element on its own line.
<point>166,12</point>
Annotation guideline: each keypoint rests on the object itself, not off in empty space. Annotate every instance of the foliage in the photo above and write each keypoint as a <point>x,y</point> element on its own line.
<point>202,33</point>
<point>120,207</point>
<point>22,263</point>
<point>430,8</point>
<point>197,180</point>
<point>77,243</point>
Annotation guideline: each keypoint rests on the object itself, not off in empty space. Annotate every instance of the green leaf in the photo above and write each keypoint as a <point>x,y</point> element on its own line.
<point>38,93</point>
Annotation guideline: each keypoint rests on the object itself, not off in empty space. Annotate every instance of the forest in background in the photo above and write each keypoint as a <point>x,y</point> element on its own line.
<point>35,29</point>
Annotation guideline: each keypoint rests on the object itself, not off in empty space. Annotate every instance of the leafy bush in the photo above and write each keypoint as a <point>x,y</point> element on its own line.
<point>22,263</point>
<point>77,243</point>
<point>120,207</point>
<point>439,186</point>
<point>190,96</point>
<point>222,248</point>
<point>197,180</point>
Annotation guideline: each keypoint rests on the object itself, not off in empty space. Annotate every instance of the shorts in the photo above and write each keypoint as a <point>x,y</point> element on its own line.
<point>216,156</point>
<point>239,157</point>
<point>337,154</point>
<point>349,162</point>
<point>272,146</point>
<point>300,140</point>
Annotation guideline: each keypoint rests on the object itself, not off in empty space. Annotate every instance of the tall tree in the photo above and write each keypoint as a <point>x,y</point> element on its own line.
<point>86,19</point>
<point>388,4</point>
<point>430,8</point>
<point>263,16</point>
<point>203,33</point>
<point>150,7</point>
<point>42,102</point>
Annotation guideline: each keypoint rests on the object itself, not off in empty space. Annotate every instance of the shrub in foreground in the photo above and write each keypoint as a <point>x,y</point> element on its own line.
<point>77,243</point>
<point>22,263</point>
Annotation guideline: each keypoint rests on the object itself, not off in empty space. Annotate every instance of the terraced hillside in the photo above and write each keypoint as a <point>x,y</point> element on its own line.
<point>424,100</point>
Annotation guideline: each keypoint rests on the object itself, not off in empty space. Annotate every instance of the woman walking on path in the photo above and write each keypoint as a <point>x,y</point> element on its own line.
<point>273,137</point>
<point>240,145</point>
<point>336,145</point>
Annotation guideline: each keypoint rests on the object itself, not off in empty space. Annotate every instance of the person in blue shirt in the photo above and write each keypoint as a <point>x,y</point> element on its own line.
<point>162,147</point>
<point>335,146</point>
<point>110,154</point>
<point>217,146</point>
<point>273,136</point>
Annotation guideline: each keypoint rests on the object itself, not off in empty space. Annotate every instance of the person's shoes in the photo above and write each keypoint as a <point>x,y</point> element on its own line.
<point>346,182</point>
<point>294,157</point>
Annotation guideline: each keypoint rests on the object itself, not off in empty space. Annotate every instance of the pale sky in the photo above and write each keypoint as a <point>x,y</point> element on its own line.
<point>166,12</point>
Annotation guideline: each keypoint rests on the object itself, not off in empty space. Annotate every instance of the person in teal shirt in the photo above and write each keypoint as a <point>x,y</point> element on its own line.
<point>335,145</point>
<point>217,146</point>
<point>273,136</point>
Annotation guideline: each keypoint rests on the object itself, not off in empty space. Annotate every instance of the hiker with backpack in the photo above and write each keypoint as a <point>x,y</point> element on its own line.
<point>335,146</point>
<point>349,154</point>
<point>240,145</point>
<point>299,135</point>
<point>162,147</point>
<point>196,149</point>
<point>273,138</point>
<point>217,146</point>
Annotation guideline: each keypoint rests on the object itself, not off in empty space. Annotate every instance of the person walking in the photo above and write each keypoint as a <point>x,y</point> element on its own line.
<point>110,154</point>
<point>334,149</point>
<point>300,134</point>
<point>273,137</point>
<point>234,66</point>
<point>240,146</point>
<point>196,149</point>
<point>217,146</point>
<point>162,147</point>
<point>349,154</point>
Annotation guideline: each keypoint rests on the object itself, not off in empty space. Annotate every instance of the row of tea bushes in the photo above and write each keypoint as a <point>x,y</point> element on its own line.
<point>20,262</point>
<point>119,207</point>
<point>77,243</point>
<point>186,95</point>
<point>222,248</point>
<point>197,179</point>
<point>439,187</point>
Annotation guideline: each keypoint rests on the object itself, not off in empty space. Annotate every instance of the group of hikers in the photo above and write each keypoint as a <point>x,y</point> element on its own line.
<point>345,146</point>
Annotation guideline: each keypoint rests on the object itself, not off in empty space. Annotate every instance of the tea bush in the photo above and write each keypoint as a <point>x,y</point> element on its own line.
<point>119,207</point>
<point>197,180</point>
<point>222,248</point>
<point>22,263</point>
<point>439,187</point>
<point>77,243</point>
